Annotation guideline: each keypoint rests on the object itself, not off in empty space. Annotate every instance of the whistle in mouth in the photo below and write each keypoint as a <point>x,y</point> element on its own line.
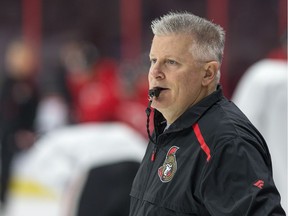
<point>154,92</point>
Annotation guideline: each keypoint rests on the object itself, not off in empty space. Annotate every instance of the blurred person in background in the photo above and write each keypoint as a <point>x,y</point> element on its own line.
<point>79,86</point>
<point>262,95</point>
<point>92,82</point>
<point>18,103</point>
<point>113,157</point>
<point>79,170</point>
<point>89,164</point>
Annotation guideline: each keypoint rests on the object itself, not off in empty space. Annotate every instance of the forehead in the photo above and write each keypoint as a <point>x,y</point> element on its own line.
<point>180,44</point>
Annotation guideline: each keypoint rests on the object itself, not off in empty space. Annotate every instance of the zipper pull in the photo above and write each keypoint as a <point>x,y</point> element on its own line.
<point>153,156</point>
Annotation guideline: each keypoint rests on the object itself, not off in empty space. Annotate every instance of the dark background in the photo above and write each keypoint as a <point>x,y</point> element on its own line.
<point>121,28</point>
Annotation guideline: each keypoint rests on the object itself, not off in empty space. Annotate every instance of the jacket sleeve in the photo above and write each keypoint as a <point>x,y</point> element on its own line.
<point>238,181</point>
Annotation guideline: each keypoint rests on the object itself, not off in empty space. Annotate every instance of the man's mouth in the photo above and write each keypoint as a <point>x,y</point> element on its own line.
<point>161,88</point>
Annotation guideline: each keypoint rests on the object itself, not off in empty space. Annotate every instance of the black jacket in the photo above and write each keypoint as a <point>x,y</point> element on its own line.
<point>210,161</point>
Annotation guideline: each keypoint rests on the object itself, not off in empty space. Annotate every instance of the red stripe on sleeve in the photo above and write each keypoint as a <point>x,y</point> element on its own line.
<point>201,140</point>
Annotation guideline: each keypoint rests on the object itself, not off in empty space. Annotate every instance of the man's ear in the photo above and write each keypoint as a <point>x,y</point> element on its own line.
<point>210,72</point>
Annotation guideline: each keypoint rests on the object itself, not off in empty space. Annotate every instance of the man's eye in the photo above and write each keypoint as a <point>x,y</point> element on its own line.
<point>153,61</point>
<point>172,62</point>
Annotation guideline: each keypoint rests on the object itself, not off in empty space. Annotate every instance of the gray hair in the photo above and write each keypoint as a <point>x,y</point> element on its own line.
<point>208,38</point>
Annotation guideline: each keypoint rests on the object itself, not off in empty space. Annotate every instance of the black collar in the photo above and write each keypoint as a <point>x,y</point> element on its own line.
<point>190,116</point>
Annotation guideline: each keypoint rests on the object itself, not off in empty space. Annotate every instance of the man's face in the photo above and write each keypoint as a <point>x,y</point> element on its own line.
<point>175,71</point>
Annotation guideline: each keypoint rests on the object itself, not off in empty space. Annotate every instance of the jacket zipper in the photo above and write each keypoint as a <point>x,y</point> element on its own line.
<point>149,170</point>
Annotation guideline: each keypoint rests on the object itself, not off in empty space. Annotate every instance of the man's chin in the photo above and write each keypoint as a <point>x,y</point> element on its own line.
<point>159,105</point>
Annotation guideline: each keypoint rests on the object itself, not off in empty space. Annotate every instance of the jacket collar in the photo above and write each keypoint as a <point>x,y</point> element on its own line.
<point>190,116</point>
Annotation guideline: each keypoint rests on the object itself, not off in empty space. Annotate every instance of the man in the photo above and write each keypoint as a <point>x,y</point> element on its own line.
<point>204,157</point>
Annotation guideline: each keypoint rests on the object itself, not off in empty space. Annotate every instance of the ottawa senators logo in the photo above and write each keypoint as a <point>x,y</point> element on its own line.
<point>167,171</point>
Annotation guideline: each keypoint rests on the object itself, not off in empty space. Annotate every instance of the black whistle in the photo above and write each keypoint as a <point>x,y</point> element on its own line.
<point>154,92</point>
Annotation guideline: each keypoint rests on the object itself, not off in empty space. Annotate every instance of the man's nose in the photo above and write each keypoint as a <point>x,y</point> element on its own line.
<point>156,71</point>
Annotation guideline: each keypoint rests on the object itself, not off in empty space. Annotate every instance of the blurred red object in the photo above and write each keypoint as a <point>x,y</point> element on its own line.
<point>95,95</point>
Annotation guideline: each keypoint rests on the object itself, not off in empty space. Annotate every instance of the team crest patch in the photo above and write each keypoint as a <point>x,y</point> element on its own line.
<point>167,171</point>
